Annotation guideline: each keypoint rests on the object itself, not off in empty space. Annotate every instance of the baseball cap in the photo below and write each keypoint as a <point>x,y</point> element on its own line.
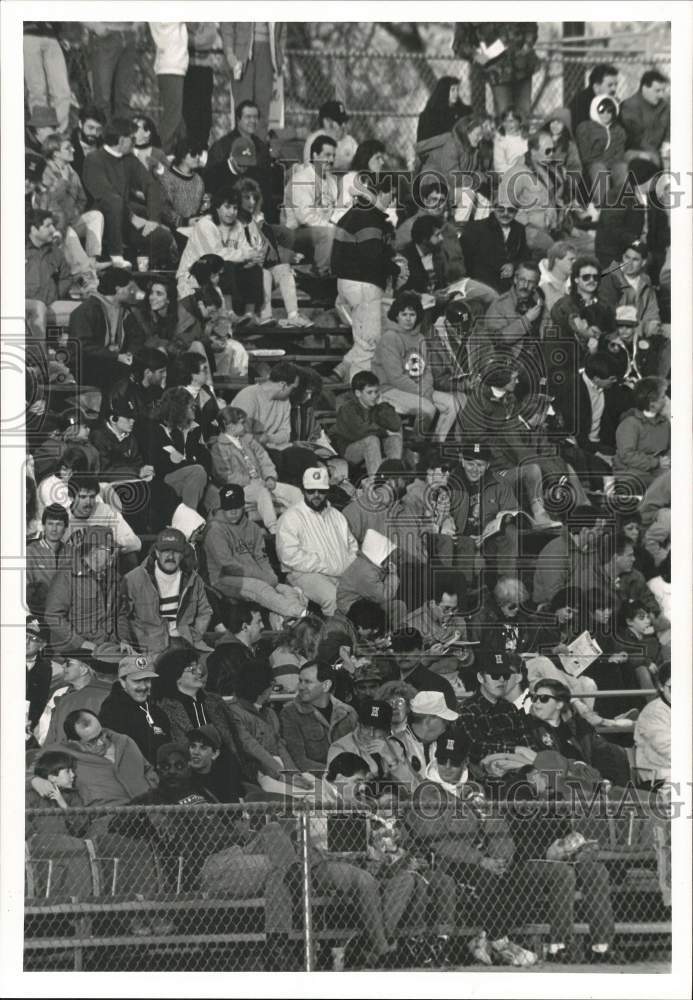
<point>121,406</point>
<point>316,479</point>
<point>232,497</point>
<point>137,667</point>
<point>243,151</point>
<point>33,626</point>
<point>626,316</point>
<point>334,110</point>
<point>458,313</point>
<point>377,714</point>
<point>640,246</point>
<point>207,734</point>
<point>450,749</point>
<point>432,703</point>
<point>475,450</point>
<point>498,663</point>
<point>171,538</point>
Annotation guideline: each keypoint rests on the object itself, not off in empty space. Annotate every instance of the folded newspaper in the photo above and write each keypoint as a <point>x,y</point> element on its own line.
<point>581,652</point>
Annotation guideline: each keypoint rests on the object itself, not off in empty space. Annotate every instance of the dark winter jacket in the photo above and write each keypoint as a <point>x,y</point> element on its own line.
<point>123,715</point>
<point>363,247</point>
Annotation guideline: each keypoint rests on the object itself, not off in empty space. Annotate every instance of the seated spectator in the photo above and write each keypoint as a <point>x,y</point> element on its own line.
<point>554,726</point>
<point>182,187</point>
<point>39,673</point>
<point>237,561</point>
<point>332,119</point>
<point>71,433</point>
<point>41,123</point>
<point>147,146</point>
<point>509,141</point>
<point>66,198</point>
<point>625,583</point>
<point>112,176</point>
<point>587,410</point>
<point>298,643</point>
<point>635,636</point>
<point>265,756</point>
<point>660,585</point>
<point>242,159</point>
<point>633,356</point>
<point>53,487</point>
<point>182,695</point>
<point>652,734</point>
<point>570,559</point>
<point>129,709</point>
<point>367,429</point>
<point>645,117</point>
<point>237,458</point>
<point>655,516</point>
<point>158,316</point>
<point>267,407</point>
<point>371,741</point>
<point>442,109</point>
<point>579,318</point>
<point>643,437</point>
<point>316,718</point>
<point>143,388</point>
<point>494,248</point>
<point>83,599</point>
<point>88,510</point>
<point>81,686</point>
<point>109,768</point>
<point>516,319</point>
<point>310,198</point>
<point>364,263</point>
<point>488,723</point>
<point>107,332</point>
<point>164,599</point>
<point>314,543</point>
<point>430,196</point>
<point>175,449</point>
<point>213,769</point>
<point>458,161</point>
<point>630,285</point>
<point>401,365</point>
<point>423,670</point>
<point>44,556</point>
<point>602,81</point>
<point>372,575</point>
<point>47,274</point>
<point>565,152</point>
<point>191,371</point>
<point>601,142</point>
<point>555,270</point>
<point>87,135</point>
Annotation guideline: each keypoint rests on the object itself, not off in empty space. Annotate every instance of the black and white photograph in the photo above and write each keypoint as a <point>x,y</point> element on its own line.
<point>343,388</point>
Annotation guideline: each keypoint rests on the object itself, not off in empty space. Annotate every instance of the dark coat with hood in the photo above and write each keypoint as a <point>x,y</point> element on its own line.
<point>124,715</point>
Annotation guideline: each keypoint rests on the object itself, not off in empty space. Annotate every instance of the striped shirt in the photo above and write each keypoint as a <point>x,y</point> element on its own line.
<point>312,542</point>
<point>168,585</point>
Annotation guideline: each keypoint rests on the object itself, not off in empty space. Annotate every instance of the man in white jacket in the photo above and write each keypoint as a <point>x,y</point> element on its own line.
<point>314,542</point>
<point>170,66</point>
<point>310,199</point>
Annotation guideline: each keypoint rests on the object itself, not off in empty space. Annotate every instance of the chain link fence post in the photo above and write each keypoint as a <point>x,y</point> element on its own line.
<point>304,834</point>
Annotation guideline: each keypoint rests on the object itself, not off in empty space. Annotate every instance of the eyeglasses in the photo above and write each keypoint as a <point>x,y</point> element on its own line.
<point>497,677</point>
<point>195,668</point>
<point>543,698</point>
<point>589,277</point>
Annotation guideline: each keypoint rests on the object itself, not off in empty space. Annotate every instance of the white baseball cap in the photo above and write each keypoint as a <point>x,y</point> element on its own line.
<point>432,703</point>
<point>316,479</point>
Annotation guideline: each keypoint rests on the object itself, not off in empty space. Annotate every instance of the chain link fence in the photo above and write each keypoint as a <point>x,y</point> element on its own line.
<point>417,884</point>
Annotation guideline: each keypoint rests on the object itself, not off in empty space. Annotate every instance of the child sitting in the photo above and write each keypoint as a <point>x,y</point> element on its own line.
<point>367,430</point>
<point>238,458</point>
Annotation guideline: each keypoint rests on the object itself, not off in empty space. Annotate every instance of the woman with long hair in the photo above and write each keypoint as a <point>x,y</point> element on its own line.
<point>510,140</point>
<point>442,109</point>
<point>175,448</point>
<point>459,155</point>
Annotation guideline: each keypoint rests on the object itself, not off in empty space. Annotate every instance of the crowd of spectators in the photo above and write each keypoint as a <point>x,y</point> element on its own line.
<point>438,558</point>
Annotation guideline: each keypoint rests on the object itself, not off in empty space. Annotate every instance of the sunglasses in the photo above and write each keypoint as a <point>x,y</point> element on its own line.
<point>589,277</point>
<point>497,676</point>
<point>543,698</point>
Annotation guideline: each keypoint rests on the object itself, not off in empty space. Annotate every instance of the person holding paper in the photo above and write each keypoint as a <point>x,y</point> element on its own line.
<point>503,55</point>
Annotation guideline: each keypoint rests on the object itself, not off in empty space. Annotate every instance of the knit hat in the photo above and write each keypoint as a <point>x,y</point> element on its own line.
<point>243,152</point>
<point>42,117</point>
<point>231,497</point>
<point>170,538</point>
<point>316,479</point>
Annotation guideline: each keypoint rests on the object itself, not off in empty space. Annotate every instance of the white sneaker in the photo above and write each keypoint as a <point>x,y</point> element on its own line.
<point>297,320</point>
<point>118,261</point>
<point>541,519</point>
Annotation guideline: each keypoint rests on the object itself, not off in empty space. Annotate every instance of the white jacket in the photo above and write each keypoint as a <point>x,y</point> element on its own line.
<point>171,40</point>
<point>312,542</point>
<point>652,739</point>
<point>309,200</point>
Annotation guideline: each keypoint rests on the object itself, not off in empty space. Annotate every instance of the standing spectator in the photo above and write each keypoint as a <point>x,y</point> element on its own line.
<point>645,117</point>
<point>401,364</point>
<point>47,276</point>
<point>509,141</point>
<point>332,119</point>
<point>316,718</point>
<point>237,458</point>
<point>129,710</point>
<point>363,260</point>
<point>366,428</point>
<point>443,108</point>
<point>164,599</point>
<point>254,51</point>
<point>237,561</point>
<point>45,72</point>
<point>643,437</point>
<point>508,72</point>
<point>247,122</point>
<point>112,175</point>
<point>170,66</point>
<point>87,136</point>
<point>310,198</point>
<point>601,143</point>
<point>64,195</point>
<point>555,271</point>
<point>493,248</point>
<point>602,81</point>
<point>314,543</point>
<point>113,61</point>
<point>198,85</point>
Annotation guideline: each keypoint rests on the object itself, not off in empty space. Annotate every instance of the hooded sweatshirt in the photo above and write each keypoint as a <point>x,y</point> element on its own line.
<point>600,143</point>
